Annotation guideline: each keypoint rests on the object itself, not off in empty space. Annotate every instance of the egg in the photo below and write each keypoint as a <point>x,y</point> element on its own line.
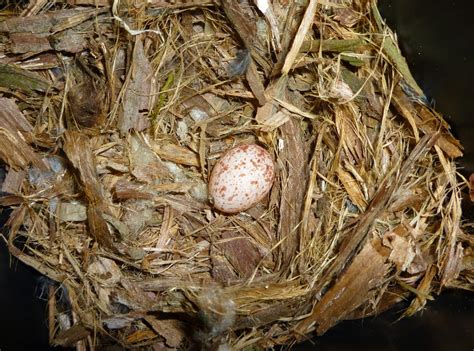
<point>241,178</point>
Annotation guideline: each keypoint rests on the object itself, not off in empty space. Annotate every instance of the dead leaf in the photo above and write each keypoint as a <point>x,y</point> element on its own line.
<point>353,189</point>
<point>402,250</point>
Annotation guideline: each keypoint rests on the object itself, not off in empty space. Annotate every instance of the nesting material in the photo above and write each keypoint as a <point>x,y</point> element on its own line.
<point>113,115</point>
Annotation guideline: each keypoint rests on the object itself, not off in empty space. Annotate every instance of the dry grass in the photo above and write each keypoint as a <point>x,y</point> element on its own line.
<point>115,129</point>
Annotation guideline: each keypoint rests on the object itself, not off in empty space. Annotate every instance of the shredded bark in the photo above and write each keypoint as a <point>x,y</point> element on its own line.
<point>113,115</point>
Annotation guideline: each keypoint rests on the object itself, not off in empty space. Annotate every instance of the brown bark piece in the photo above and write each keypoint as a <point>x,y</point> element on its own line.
<point>136,100</point>
<point>171,330</point>
<point>78,150</point>
<point>293,156</point>
<point>14,148</point>
<point>13,181</point>
<point>71,336</point>
<point>177,154</point>
<point>240,252</point>
<point>21,43</point>
<point>350,291</point>
<point>98,3</point>
<point>50,22</point>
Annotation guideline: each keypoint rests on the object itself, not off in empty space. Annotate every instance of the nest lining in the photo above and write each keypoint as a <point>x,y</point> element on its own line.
<point>115,133</point>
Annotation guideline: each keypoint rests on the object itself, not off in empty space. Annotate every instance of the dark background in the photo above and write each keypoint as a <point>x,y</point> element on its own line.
<point>437,38</point>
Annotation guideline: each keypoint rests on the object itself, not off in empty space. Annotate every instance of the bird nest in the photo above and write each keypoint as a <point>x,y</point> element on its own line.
<point>114,115</point>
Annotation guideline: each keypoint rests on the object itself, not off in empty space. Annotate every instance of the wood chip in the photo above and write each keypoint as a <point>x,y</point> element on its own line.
<point>12,123</point>
<point>13,181</point>
<point>78,150</point>
<point>240,252</point>
<point>366,272</point>
<point>177,154</point>
<point>50,22</point>
<point>71,336</point>
<point>300,36</point>
<point>171,330</point>
<point>136,100</point>
<point>16,78</point>
<point>99,3</point>
<point>293,156</point>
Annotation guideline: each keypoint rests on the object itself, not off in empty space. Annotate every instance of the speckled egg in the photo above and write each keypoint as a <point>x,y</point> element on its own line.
<point>241,178</point>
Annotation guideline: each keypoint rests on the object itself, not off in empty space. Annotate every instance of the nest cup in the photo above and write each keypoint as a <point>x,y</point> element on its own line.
<point>110,135</point>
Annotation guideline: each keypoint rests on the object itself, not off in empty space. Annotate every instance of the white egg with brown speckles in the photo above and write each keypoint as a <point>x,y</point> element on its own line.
<point>241,178</point>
